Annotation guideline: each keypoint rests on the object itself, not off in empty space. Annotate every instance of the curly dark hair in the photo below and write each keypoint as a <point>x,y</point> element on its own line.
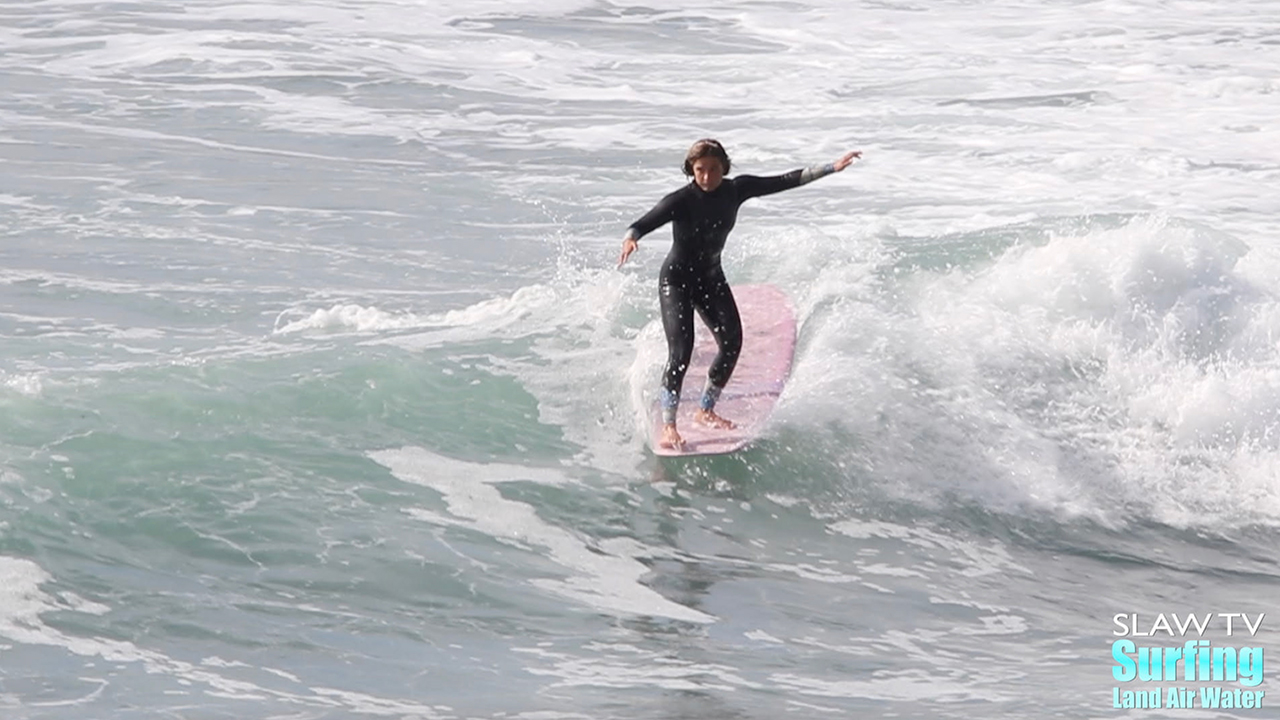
<point>706,147</point>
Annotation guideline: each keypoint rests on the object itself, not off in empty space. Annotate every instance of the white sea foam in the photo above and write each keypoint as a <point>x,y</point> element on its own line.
<point>1085,369</point>
<point>356,318</point>
<point>506,316</point>
<point>612,671</point>
<point>28,384</point>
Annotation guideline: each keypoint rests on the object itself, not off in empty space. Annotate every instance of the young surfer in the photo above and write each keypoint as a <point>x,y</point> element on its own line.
<point>702,213</point>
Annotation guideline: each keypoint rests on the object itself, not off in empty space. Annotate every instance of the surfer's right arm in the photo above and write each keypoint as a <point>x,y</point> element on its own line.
<point>661,214</point>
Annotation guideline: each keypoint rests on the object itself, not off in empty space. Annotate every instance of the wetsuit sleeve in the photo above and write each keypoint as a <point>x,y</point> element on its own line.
<point>750,186</point>
<point>661,214</point>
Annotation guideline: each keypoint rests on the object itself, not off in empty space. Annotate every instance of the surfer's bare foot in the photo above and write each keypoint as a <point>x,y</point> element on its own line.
<point>670,438</point>
<point>711,419</point>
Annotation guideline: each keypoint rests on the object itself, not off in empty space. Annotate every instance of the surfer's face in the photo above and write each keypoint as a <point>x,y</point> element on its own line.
<point>708,172</point>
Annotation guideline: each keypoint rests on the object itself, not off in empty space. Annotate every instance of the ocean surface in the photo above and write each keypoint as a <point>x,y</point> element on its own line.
<point>321,395</point>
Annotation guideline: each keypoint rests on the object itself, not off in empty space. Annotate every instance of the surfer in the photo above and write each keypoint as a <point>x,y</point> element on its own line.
<point>702,213</point>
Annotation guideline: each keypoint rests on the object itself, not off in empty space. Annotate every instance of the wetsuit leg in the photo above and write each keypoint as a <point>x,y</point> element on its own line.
<point>714,302</point>
<point>676,298</point>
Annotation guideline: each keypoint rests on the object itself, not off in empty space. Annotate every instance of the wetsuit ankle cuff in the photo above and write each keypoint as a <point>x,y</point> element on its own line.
<point>710,395</point>
<point>670,401</point>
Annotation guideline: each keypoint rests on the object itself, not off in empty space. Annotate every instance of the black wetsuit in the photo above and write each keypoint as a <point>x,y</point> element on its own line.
<point>692,279</point>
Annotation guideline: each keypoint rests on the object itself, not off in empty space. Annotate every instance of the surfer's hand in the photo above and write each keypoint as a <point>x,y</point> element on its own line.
<point>847,160</point>
<point>628,246</point>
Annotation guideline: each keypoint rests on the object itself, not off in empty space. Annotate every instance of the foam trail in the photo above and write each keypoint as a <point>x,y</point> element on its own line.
<point>604,581</point>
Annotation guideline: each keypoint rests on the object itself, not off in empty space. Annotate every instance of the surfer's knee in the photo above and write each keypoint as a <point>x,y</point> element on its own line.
<point>731,347</point>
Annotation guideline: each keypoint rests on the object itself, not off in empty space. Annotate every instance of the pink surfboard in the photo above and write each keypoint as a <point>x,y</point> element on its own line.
<point>768,346</point>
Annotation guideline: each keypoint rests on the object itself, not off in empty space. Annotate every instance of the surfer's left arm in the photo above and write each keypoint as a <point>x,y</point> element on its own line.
<point>750,186</point>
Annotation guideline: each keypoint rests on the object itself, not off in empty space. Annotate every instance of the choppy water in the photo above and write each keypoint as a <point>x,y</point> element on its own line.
<point>320,395</point>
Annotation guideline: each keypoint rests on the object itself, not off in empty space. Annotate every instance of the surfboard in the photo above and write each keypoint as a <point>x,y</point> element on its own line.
<point>768,348</point>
